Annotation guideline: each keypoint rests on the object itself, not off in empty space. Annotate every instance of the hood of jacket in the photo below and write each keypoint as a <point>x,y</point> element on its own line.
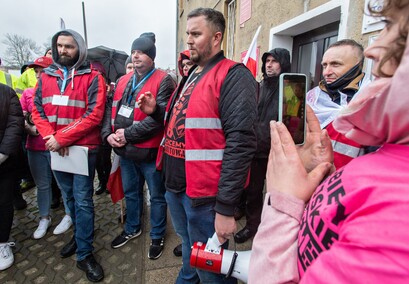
<point>282,55</point>
<point>82,48</point>
<point>378,114</point>
<point>182,56</point>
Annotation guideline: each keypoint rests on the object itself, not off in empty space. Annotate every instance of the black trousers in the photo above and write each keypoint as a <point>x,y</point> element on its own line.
<point>103,165</point>
<point>254,193</point>
<point>8,183</point>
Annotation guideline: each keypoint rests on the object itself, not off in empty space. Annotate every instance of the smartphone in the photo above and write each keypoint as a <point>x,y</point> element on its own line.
<point>292,100</point>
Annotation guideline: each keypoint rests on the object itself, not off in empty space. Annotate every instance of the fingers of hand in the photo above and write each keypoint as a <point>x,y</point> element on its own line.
<point>287,142</point>
<point>275,138</point>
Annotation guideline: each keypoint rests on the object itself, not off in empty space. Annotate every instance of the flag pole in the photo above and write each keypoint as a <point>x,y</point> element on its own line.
<point>253,42</point>
<point>85,24</point>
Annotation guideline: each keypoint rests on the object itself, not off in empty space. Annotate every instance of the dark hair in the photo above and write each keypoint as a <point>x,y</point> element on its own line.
<point>213,17</point>
<point>48,48</point>
<point>350,42</point>
<point>395,51</point>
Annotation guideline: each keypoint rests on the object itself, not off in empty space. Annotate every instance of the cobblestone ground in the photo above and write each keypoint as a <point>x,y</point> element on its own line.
<point>38,261</point>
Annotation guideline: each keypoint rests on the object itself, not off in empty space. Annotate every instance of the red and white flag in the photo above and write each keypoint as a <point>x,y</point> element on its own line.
<point>250,60</point>
<point>114,184</point>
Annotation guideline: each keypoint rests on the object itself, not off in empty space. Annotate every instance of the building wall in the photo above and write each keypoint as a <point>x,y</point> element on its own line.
<point>270,14</point>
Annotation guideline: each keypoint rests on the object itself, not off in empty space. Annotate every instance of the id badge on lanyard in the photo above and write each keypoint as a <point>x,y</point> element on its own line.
<point>60,100</point>
<point>125,111</point>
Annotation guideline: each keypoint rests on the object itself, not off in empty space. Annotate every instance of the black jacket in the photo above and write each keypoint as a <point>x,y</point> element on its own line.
<point>11,126</point>
<point>136,133</point>
<point>268,100</point>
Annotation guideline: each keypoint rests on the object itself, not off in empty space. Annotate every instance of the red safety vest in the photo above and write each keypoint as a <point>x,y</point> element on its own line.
<point>68,122</point>
<point>344,149</point>
<point>204,137</point>
<point>152,85</point>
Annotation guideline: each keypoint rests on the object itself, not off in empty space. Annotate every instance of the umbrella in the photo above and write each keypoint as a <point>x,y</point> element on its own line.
<point>113,60</point>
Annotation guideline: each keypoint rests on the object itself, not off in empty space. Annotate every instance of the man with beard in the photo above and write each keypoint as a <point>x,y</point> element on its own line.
<point>209,141</point>
<point>343,77</point>
<point>68,109</point>
<point>275,62</point>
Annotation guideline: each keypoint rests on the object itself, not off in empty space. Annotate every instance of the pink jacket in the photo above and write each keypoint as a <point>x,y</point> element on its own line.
<point>34,143</point>
<point>355,227</point>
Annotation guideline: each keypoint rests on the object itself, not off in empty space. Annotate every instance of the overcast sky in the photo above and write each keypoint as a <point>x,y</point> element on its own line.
<point>113,23</point>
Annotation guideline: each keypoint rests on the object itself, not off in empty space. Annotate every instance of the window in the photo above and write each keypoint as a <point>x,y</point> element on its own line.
<point>308,49</point>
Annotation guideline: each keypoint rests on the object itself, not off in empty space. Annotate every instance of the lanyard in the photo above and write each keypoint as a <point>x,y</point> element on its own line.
<point>64,81</point>
<point>136,87</point>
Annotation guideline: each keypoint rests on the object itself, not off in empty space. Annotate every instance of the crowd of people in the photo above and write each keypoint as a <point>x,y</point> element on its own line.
<point>334,207</point>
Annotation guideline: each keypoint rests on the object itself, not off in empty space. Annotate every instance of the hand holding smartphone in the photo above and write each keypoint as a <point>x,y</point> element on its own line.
<point>292,101</point>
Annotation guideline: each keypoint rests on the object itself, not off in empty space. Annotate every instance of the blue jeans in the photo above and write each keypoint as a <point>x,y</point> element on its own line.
<point>133,178</point>
<point>79,190</point>
<point>40,167</point>
<point>193,224</point>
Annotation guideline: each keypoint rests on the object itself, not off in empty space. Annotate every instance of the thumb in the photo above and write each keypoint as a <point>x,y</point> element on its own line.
<point>320,171</point>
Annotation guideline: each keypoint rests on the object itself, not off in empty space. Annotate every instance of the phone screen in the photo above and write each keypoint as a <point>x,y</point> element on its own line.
<point>293,89</point>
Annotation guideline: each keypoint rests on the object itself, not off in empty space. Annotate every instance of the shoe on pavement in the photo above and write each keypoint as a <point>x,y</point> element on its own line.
<point>177,251</point>
<point>100,190</point>
<point>43,226</point>
<point>123,238</point>
<point>69,249</point>
<point>6,255</point>
<point>64,225</point>
<point>156,248</point>
<point>19,203</point>
<point>243,235</point>
<point>93,269</point>
<point>25,185</point>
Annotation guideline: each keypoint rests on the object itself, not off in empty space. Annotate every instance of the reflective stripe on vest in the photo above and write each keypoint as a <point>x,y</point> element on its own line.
<point>72,103</point>
<point>204,155</point>
<point>9,80</point>
<point>60,121</point>
<point>203,123</point>
<point>346,149</point>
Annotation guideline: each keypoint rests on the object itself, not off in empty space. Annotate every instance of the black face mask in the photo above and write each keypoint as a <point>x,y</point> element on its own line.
<point>343,81</point>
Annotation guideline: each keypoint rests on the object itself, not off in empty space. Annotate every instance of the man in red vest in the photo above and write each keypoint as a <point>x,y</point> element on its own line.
<point>135,137</point>
<point>343,77</point>
<point>209,141</point>
<point>68,108</point>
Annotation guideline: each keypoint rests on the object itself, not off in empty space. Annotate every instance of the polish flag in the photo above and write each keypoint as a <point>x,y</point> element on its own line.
<point>250,60</point>
<point>114,184</point>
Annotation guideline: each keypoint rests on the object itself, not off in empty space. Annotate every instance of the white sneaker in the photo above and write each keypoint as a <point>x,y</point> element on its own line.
<point>6,255</point>
<point>64,225</point>
<point>42,228</point>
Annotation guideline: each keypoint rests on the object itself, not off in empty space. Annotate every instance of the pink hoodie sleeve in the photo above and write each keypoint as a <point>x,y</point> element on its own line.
<point>274,252</point>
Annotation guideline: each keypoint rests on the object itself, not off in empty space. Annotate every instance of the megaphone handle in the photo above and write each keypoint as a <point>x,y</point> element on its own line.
<point>232,264</point>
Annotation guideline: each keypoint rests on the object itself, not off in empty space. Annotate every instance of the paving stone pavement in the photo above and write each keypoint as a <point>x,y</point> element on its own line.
<point>38,261</point>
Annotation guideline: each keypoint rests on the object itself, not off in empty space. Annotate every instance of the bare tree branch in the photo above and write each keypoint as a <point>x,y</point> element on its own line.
<point>19,50</point>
